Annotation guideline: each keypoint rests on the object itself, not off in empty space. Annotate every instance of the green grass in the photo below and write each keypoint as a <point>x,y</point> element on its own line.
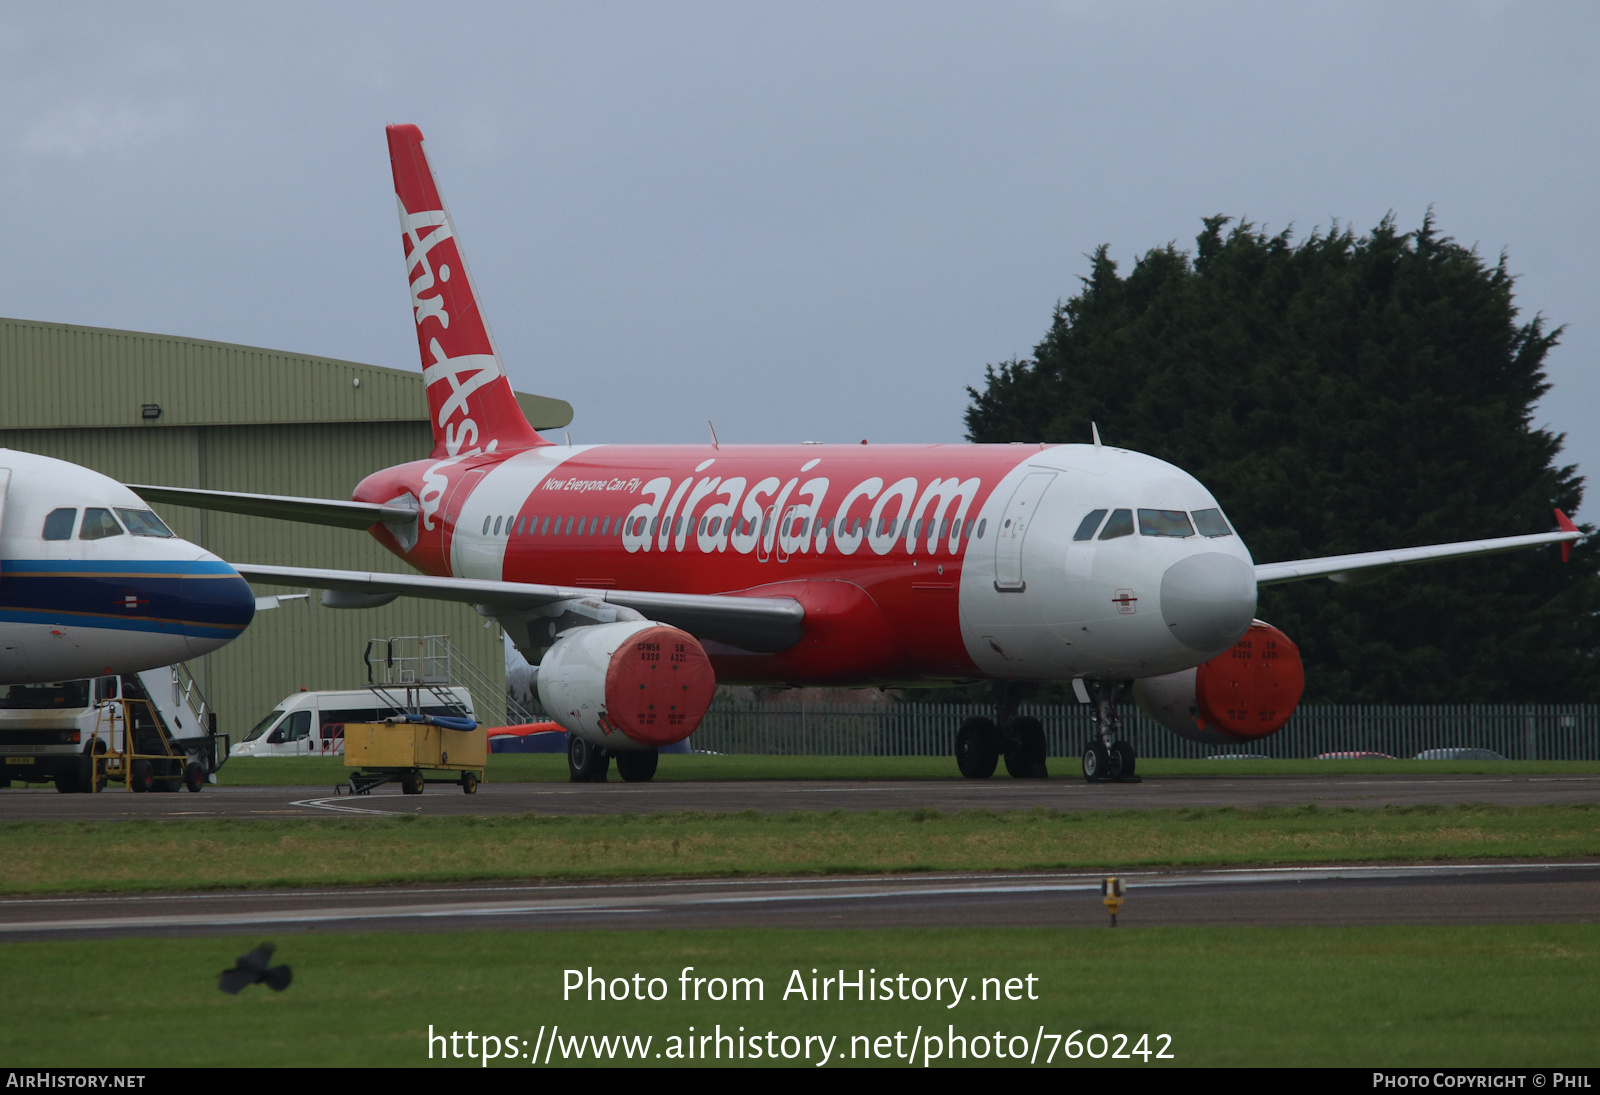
<point>198,854</point>
<point>552,768</point>
<point>1370,997</point>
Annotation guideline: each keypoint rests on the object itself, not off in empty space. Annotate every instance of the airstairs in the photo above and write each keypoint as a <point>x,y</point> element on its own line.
<point>156,732</point>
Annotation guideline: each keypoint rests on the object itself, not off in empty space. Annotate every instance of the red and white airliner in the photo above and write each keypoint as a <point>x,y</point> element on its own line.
<point>638,576</point>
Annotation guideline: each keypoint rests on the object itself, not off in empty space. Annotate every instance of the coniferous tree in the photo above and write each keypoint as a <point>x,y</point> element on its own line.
<point>1340,394</point>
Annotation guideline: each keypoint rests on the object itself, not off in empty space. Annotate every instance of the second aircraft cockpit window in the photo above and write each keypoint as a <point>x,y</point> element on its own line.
<point>1121,524</point>
<point>1090,523</point>
<point>1210,522</point>
<point>1164,522</point>
<point>1154,522</point>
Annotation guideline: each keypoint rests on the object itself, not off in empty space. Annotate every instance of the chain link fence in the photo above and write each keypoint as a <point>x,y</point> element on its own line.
<point>1517,732</point>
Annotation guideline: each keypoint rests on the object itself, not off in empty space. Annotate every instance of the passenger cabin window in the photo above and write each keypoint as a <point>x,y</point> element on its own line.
<point>1210,522</point>
<point>1090,523</point>
<point>143,522</point>
<point>1164,522</point>
<point>58,525</point>
<point>354,714</point>
<point>1120,524</point>
<point>98,524</point>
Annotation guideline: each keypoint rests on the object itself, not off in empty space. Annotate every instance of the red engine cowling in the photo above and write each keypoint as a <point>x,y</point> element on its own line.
<point>630,685</point>
<point>1244,694</point>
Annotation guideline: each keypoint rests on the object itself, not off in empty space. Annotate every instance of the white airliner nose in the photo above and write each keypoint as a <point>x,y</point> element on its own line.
<point>1208,600</point>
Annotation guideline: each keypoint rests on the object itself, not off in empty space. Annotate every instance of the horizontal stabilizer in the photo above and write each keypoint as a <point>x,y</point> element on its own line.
<point>761,624</point>
<point>311,511</point>
<point>1348,568</point>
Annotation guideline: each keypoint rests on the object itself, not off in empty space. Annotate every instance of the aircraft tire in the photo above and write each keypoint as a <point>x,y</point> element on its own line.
<point>638,766</point>
<point>168,782</point>
<point>1122,760</point>
<point>1096,761</point>
<point>977,748</point>
<point>1026,757</point>
<point>586,762</point>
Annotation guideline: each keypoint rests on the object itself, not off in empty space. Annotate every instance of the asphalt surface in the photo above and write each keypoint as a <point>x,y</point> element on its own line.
<point>783,796</point>
<point>1325,896</point>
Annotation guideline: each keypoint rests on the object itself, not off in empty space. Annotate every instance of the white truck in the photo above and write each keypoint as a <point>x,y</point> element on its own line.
<point>311,724</point>
<point>54,733</point>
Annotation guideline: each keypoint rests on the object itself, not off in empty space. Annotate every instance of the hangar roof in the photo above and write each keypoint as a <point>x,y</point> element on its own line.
<point>62,376</point>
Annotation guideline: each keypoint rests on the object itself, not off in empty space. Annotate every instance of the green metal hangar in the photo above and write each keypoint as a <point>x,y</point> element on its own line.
<point>147,408</point>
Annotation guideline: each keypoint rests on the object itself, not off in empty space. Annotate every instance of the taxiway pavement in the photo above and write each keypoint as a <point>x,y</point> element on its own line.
<point>784,796</point>
<point>1325,896</point>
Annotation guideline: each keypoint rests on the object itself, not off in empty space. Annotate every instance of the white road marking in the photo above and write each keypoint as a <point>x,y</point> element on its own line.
<point>338,807</point>
<point>755,892</point>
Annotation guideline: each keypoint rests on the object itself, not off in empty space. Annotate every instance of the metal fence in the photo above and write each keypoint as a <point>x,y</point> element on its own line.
<point>1519,732</point>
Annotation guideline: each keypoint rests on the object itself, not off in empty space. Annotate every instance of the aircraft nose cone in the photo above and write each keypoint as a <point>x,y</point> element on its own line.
<point>1208,600</point>
<point>217,605</point>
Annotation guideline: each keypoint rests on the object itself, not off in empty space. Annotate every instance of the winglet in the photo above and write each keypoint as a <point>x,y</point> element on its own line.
<point>1566,525</point>
<point>1094,431</point>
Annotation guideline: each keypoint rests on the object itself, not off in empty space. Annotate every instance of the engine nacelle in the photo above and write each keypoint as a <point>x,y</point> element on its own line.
<point>1243,694</point>
<point>627,685</point>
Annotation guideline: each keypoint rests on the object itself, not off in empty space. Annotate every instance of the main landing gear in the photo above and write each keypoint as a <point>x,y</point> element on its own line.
<point>981,742</point>
<point>589,763</point>
<point>1106,757</point>
<point>586,761</point>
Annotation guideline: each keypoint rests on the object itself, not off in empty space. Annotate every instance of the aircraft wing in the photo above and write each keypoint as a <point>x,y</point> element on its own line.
<point>1366,565</point>
<point>313,511</point>
<point>763,624</point>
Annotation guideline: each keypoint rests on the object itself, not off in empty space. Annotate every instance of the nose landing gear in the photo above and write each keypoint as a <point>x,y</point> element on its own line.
<point>1106,757</point>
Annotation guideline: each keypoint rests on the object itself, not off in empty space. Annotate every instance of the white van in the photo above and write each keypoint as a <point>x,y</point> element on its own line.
<point>311,724</point>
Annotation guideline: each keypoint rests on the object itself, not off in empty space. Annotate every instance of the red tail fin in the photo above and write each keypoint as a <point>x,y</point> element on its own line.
<point>471,405</point>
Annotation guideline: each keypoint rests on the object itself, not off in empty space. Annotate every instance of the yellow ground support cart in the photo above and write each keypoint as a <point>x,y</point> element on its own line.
<point>407,748</point>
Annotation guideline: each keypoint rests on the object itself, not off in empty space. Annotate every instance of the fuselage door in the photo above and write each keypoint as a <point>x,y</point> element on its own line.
<point>1013,528</point>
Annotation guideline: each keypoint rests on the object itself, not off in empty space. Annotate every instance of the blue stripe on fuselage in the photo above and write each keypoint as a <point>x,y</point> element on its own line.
<point>203,598</point>
<point>152,567</point>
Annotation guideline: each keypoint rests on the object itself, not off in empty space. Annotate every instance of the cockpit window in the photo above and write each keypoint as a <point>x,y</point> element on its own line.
<point>143,522</point>
<point>1090,523</point>
<point>58,525</point>
<point>1164,522</point>
<point>1121,524</point>
<point>1210,522</point>
<point>98,524</point>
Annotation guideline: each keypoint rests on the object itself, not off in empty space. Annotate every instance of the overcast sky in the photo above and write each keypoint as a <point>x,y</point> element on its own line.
<point>802,221</point>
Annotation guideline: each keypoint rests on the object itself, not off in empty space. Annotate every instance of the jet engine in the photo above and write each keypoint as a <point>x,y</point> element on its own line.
<point>1243,694</point>
<point>629,685</point>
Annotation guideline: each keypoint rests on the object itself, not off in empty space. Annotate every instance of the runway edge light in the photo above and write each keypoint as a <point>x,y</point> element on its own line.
<point>1111,892</point>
